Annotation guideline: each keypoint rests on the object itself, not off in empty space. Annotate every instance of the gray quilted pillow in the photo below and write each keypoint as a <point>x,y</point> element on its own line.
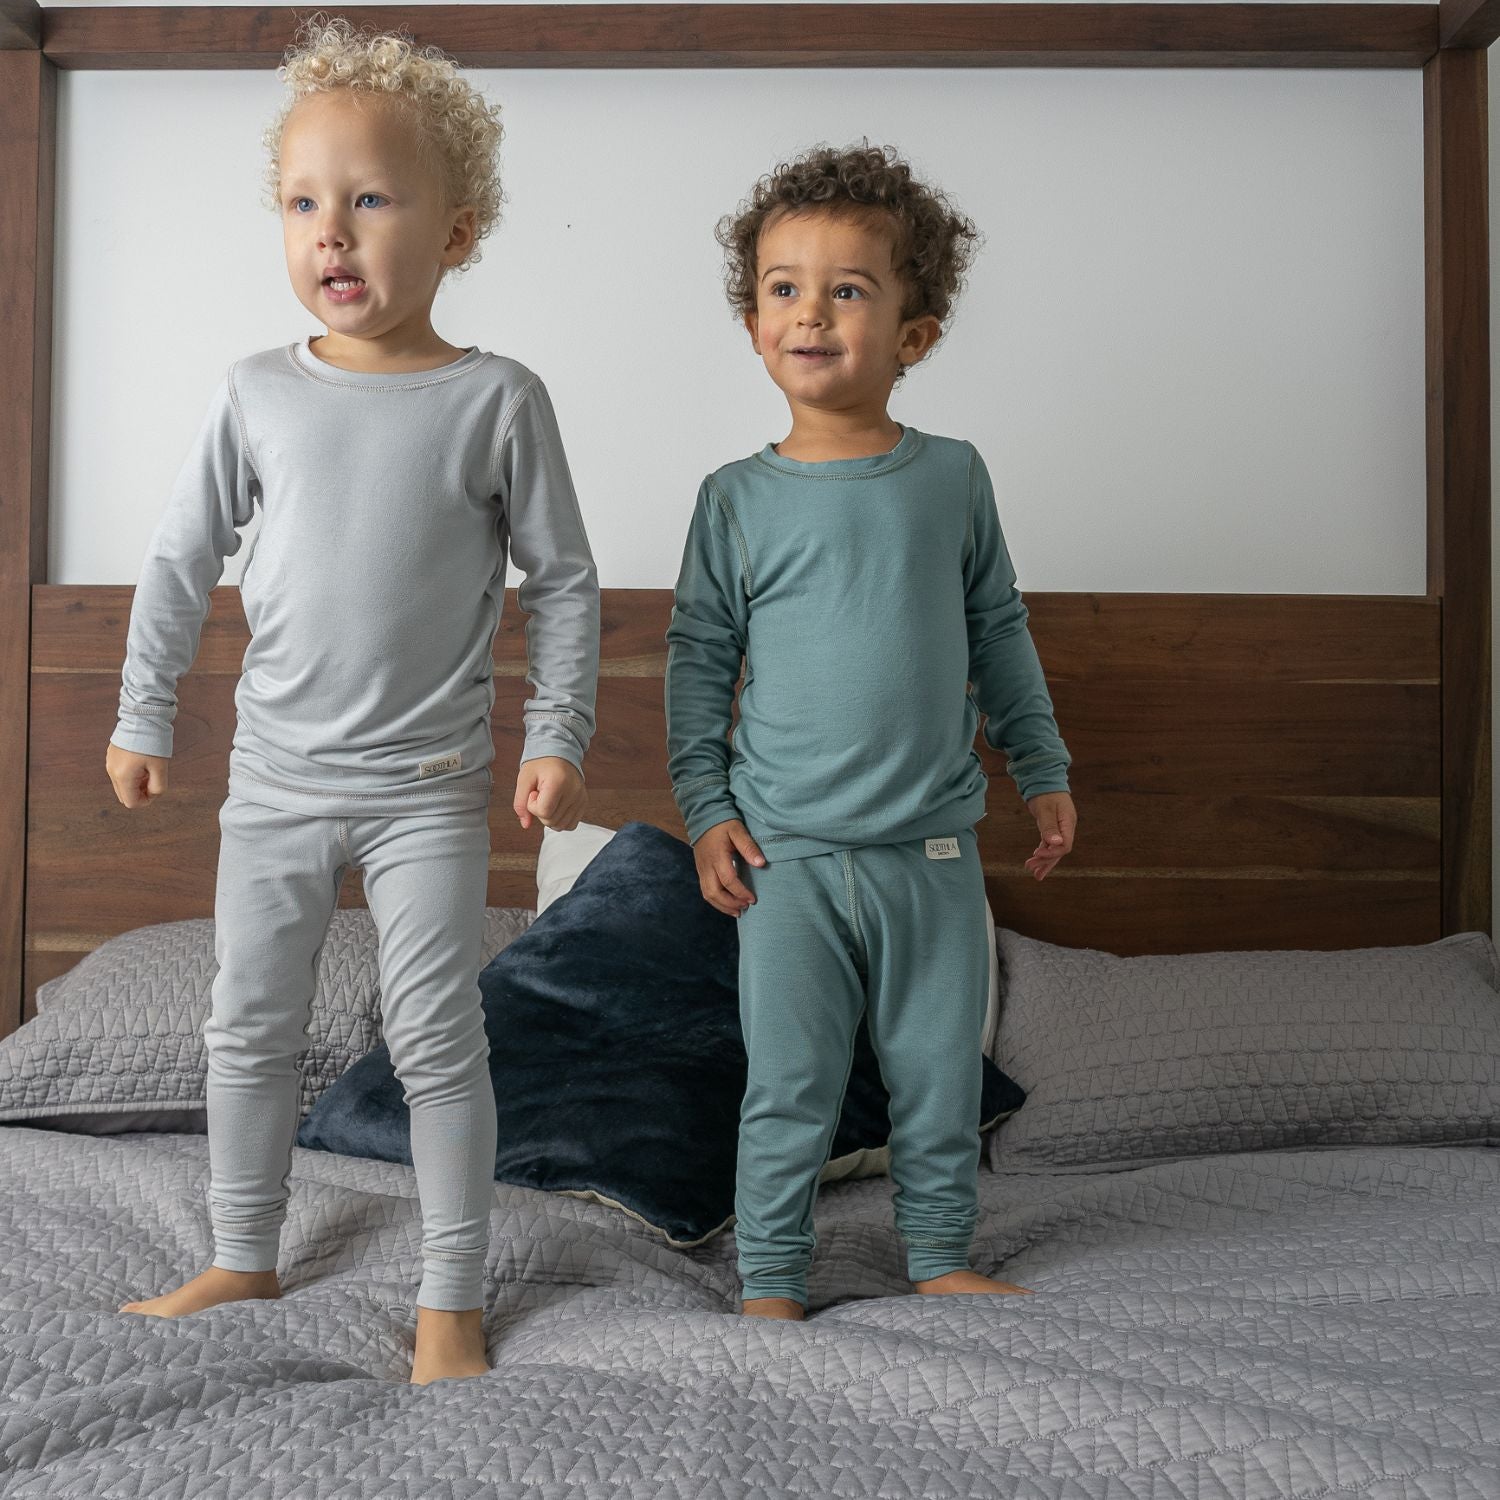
<point>117,1041</point>
<point>1127,1061</point>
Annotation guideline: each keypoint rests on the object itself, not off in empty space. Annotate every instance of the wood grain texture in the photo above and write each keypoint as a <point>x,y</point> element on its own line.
<point>20,26</point>
<point>1261,35</point>
<point>1468,23</point>
<point>1250,770</point>
<point>28,131</point>
<point>1456,196</point>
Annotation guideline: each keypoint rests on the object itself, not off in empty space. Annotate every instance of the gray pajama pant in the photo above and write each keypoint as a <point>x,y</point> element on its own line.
<point>425,879</point>
<point>897,930</point>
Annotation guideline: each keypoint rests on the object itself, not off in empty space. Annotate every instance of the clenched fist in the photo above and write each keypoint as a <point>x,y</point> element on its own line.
<point>549,789</point>
<point>136,778</point>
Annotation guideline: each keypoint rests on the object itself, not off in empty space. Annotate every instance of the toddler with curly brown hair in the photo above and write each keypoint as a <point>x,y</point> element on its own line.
<point>859,571</point>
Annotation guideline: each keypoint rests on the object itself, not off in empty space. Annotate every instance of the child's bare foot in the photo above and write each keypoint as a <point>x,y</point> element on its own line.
<point>774,1307</point>
<point>211,1287</point>
<point>967,1281</point>
<point>449,1345</point>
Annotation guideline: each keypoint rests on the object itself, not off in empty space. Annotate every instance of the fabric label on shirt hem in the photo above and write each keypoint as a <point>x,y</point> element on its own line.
<point>943,849</point>
<point>441,763</point>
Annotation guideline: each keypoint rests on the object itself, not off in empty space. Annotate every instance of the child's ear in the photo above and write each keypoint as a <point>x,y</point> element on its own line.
<point>752,326</point>
<point>920,335</point>
<point>465,227</point>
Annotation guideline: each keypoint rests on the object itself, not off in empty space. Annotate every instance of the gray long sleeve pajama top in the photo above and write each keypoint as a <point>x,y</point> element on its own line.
<point>390,504</point>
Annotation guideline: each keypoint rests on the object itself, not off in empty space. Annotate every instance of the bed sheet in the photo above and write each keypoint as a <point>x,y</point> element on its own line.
<point>1309,1324</point>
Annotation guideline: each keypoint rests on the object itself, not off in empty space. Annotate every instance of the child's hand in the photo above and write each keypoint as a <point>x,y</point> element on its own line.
<point>718,876</point>
<point>137,778</point>
<point>549,789</point>
<point>1056,818</point>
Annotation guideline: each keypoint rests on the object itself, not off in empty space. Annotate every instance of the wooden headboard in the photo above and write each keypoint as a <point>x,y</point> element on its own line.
<point>1250,770</point>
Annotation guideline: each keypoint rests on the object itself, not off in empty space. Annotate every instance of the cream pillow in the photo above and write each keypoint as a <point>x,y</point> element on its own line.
<point>563,857</point>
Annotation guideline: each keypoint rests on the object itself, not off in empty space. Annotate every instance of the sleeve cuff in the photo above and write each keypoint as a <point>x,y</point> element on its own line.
<point>551,737</point>
<point>705,808</point>
<point>1043,785</point>
<point>142,739</point>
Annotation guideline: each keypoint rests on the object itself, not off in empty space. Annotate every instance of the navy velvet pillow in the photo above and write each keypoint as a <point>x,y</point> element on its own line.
<point>616,1053</point>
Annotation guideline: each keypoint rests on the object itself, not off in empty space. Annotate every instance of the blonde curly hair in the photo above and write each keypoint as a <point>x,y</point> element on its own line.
<point>454,128</point>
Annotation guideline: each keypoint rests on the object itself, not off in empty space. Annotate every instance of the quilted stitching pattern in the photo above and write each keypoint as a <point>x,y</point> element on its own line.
<point>1129,1060</point>
<point>121,1031</point>
<point>1318,1325</point>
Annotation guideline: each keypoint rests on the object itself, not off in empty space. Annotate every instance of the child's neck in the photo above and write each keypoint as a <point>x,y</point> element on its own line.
<point>380,357</point>
<point>818,436</point>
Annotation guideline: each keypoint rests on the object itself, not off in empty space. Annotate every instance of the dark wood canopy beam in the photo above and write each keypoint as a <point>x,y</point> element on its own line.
<point>775,36</point>
<point>1468,23</point>
<point>20,26</point>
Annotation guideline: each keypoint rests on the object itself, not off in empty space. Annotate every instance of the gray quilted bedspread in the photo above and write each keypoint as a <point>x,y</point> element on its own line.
<point>1311,1324</point>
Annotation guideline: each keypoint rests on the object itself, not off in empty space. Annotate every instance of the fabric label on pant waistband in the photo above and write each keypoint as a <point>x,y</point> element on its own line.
<point>943,849</point>
<point>442,763</point>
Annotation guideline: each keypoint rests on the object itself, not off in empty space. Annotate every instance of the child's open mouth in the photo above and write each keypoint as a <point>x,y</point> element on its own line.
<point>813,356</point>
<point>344,289</point>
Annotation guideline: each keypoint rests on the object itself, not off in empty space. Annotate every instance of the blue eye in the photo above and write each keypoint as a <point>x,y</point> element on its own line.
<point>296,201</point>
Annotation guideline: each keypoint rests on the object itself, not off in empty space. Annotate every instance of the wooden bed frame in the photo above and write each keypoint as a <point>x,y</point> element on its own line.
<point>1251,771</point>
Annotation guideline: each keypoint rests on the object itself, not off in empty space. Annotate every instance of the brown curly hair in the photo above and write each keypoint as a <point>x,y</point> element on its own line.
<point>933,244</point>
<point>455,130</point>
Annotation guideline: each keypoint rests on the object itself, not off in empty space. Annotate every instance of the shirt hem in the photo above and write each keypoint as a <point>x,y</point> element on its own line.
<point>466,794</point>
<point>777,844</point>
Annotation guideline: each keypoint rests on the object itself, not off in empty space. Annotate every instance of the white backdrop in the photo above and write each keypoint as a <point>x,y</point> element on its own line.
<point>1191,348</point>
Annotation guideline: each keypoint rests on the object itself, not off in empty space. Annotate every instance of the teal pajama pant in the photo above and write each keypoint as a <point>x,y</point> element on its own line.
<point>425,876</point>
<point>882,928</point>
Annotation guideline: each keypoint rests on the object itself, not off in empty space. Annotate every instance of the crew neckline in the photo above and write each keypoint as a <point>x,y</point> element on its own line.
<point>846,468</point>
<point>302,353</point>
